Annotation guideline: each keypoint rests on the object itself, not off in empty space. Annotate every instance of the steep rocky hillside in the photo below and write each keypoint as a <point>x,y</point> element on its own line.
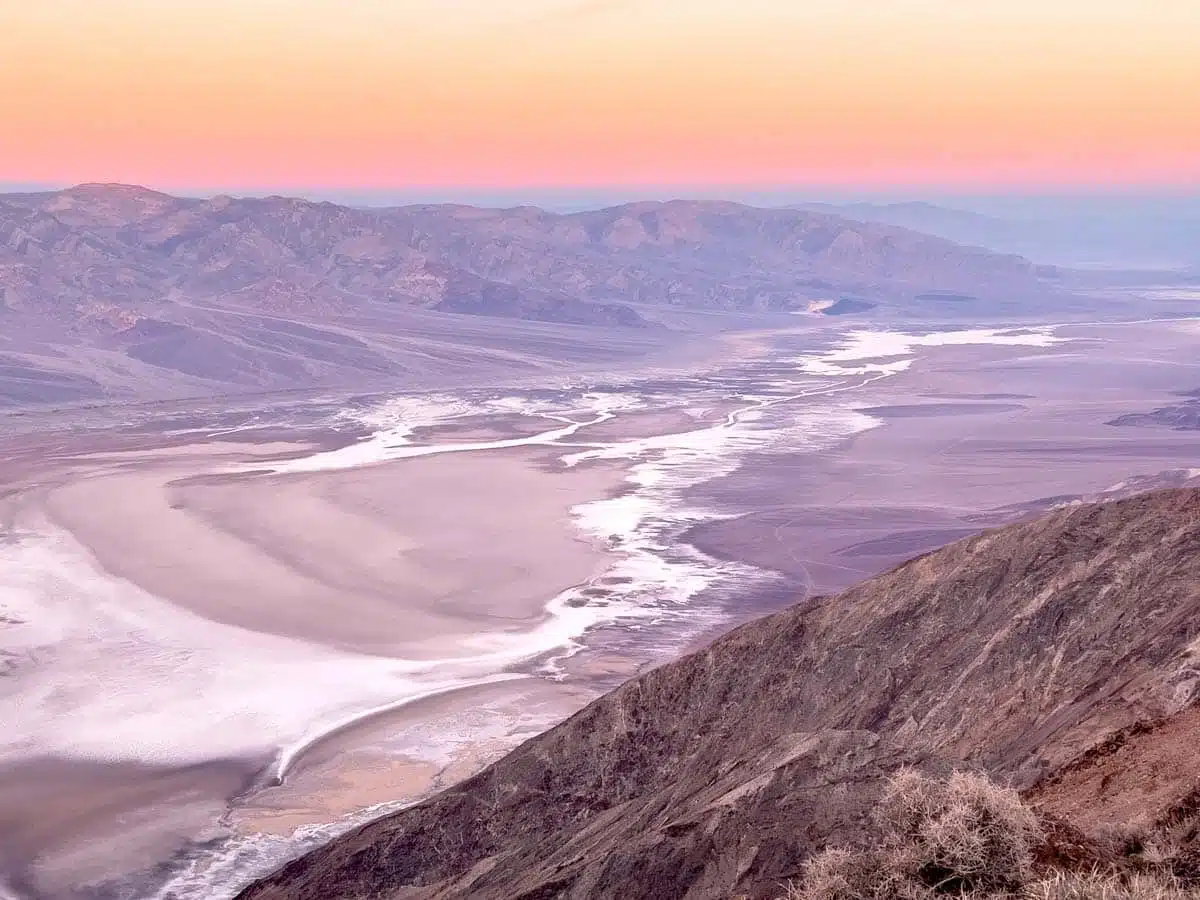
<point>1021,652</point>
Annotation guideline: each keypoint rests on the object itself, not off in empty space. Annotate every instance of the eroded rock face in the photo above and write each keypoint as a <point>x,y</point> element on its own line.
<point>1013,652</point>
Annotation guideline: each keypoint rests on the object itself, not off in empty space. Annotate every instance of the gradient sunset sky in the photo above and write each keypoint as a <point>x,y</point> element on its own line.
<point>369,94</point>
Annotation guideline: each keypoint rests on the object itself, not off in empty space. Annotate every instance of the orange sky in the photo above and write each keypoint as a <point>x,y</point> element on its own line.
<point>394,93</point>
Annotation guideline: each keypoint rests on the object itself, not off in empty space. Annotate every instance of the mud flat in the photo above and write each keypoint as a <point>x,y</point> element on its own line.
<point>968,437</point>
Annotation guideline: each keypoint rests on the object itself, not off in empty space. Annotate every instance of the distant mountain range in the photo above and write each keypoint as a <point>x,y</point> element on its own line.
<point>274,292</point>
<point>1115,235</point>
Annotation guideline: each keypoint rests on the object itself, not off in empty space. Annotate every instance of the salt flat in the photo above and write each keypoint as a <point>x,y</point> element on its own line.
<point>407,558</point>
<point>174,615</point>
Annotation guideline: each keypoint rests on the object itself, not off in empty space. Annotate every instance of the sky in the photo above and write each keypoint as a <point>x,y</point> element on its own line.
<point>429,95</point>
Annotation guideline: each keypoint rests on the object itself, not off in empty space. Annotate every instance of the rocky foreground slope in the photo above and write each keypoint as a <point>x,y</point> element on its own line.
<point>1033,652</point>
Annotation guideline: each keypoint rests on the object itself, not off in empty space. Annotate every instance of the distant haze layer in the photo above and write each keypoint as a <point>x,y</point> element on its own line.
<point>596,92</point>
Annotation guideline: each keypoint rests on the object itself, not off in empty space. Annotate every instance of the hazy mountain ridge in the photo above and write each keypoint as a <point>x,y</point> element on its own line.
<point>696,253</point>
<point>1114,235</point>
<point>1017,652</point>
<point>187,290</point>
<point>716,255</point>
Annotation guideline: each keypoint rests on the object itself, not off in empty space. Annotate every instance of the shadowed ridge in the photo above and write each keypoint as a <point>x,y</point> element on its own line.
<point>1011,652</point>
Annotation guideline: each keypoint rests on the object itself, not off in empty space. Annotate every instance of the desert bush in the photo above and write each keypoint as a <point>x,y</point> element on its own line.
<point>1168,847</point>
<point>835,874</point>
<point>968,837</point>
<point>1173,843</point>
<point>838,874</point>
<point>965,836</point>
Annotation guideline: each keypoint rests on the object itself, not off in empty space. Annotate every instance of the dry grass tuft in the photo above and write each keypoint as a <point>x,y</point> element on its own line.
<point>1096,886</point>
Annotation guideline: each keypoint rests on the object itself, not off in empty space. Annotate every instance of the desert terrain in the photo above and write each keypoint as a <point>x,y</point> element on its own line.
<point>234,630</point>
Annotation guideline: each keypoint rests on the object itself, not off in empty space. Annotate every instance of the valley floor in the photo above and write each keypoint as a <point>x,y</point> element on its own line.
<point>221,646</point>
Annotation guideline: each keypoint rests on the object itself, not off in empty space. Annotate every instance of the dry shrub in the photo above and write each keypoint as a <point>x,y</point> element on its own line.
<point>1169,846</point>
<point>838,874</point>
<point>1173,844</point>
<point>834,874</point>
<point>1120,840</point>
<point>958,836</point>
<point>964,836</point>
<point>967,837</point>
